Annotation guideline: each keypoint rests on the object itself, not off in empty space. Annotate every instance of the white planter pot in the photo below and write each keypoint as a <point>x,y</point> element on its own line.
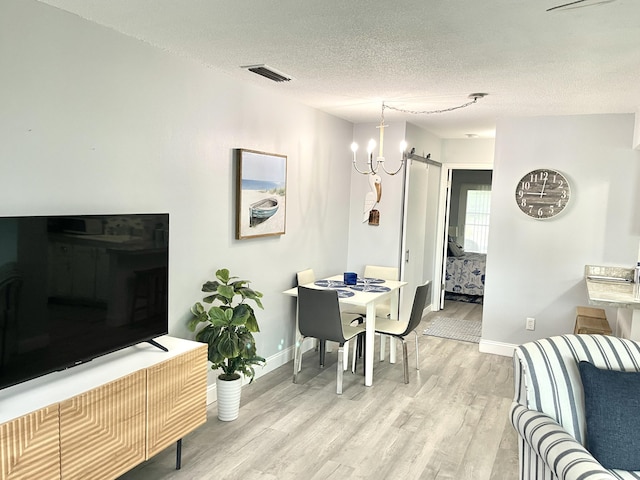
<point>228,393</point>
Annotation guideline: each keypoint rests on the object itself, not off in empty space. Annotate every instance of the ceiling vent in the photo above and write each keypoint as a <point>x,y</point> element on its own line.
<point>268,72</point>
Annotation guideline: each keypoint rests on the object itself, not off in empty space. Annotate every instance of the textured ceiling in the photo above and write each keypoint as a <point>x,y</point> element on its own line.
<point>347,57</point>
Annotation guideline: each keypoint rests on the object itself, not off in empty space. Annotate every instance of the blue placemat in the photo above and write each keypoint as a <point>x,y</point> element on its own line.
<point>344,293</point>
<point>370,288</point>
<point>370,281</point>
<point>330,283</point>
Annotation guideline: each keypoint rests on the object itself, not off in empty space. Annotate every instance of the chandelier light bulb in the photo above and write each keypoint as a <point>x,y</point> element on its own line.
<point>371,146</point>
<point>403,146</point>
<point>354,147</point>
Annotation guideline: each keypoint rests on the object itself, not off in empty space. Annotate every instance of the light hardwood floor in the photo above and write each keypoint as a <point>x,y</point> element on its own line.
<point>449,422</point>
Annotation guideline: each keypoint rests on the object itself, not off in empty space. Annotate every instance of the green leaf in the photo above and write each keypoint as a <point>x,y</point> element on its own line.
<point>252,324</point>
<point>223,275</point>
<point>238,284</point>
<point>210,286</point>
<point>208,334</point>
<point>240,314</point>
<point>197,309</point>
<point>228,344</point>
<point>211,298</point>
<point>226,292</point>
<point>193,323</point>
<point>253,295</point>
<point>219,317</point>
<point>248,343</point>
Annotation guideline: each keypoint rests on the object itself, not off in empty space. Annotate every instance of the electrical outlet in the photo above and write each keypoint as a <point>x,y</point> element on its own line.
<point>531,323</point>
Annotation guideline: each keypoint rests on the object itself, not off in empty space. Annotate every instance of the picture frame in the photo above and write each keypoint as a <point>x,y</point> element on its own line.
<point>261,194</point>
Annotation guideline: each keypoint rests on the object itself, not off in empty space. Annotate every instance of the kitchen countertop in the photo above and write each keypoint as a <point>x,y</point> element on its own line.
<point>612,287</point>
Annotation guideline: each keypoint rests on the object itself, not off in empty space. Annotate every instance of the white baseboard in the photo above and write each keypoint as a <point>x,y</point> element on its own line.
<point>497,348</point>
<point>271,364</point>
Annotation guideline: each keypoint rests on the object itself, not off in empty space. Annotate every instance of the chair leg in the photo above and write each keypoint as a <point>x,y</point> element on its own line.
<point>405,361</point>
<point>340,370</point>
<point>382,347</point>
<point>345,356</point>
<point>323,352</point>
<point>417,353</point>
<point>297,363</point>
<point>358,352</point>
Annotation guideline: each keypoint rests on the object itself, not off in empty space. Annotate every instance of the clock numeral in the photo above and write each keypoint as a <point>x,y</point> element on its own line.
<point>525,186</point>
<point>540,212</point>
<point>551,210</point>
<point>564,194</point>
<point>559,203</point>
<point>523,203</point>
<point>561,184</point>
<point>533,177</point>
<point>544,176</point>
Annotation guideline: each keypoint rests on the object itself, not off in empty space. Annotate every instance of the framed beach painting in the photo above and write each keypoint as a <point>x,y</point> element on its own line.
<point>261,194</point>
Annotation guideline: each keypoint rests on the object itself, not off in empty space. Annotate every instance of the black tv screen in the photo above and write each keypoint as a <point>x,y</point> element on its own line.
<point>75,287</point>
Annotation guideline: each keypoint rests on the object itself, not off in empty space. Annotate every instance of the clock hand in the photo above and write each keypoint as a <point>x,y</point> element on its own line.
<point>544,183</point>
<point>541,194</point>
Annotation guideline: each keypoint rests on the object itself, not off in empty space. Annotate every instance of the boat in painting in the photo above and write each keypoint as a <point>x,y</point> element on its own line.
<point>262,210</point>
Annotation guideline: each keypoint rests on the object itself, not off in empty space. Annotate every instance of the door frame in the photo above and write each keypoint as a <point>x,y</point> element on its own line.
<point>443,222</point>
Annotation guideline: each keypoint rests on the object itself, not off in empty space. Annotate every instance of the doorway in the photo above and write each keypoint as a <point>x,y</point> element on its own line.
<point>465,229</point>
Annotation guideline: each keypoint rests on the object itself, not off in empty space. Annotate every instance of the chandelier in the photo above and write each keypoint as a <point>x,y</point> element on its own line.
<point>374,167</point>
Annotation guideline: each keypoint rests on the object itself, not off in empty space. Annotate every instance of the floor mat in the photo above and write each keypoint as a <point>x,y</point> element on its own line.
<point>456,329</point>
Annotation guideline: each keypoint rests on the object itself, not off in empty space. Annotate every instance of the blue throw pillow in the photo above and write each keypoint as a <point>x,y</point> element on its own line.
<point>612,410</point>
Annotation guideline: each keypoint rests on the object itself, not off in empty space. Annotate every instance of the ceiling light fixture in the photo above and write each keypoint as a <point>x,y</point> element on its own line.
<point>373,168</point>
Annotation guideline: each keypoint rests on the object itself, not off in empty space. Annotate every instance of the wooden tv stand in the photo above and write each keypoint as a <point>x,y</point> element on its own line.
<point>102,418</point>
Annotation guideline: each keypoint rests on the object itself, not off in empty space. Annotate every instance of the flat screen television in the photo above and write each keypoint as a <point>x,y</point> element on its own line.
<point>76,287</point>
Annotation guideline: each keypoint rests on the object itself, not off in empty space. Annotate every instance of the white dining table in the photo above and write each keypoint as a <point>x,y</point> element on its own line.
<point>368,300</point>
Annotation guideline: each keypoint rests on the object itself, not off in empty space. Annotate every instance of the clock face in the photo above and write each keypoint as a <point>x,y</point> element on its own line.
<point>543,193</point>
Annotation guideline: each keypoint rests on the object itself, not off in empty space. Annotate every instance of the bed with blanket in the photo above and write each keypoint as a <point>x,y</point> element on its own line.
<point>465,273</point>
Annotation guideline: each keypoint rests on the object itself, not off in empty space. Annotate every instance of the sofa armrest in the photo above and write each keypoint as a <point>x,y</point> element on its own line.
<point>561,453</point>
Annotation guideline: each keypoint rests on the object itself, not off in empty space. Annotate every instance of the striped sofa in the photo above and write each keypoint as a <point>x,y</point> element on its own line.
<point>548,407</point>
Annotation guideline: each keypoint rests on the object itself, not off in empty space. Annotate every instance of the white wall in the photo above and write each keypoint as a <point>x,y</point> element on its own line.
<point>467,151</point>
<point>92,121</point>
<point>536,268</point>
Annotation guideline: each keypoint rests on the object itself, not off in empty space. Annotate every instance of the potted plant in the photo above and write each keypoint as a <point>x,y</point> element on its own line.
<point>229,327</point>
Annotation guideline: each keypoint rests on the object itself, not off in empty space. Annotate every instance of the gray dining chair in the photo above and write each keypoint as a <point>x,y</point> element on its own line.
<point>401,329</point>
<point>319,317</point>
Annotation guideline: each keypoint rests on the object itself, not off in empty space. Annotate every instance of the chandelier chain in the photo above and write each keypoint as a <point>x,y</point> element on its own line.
<point>428,112</point>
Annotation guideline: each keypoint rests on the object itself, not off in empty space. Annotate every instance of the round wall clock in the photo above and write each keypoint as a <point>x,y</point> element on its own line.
<point>543,193</point>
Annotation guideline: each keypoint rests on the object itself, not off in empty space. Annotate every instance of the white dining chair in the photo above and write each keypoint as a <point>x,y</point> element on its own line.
<point>383,309</point>
<point>306,276</point>
<point>400,329</point>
